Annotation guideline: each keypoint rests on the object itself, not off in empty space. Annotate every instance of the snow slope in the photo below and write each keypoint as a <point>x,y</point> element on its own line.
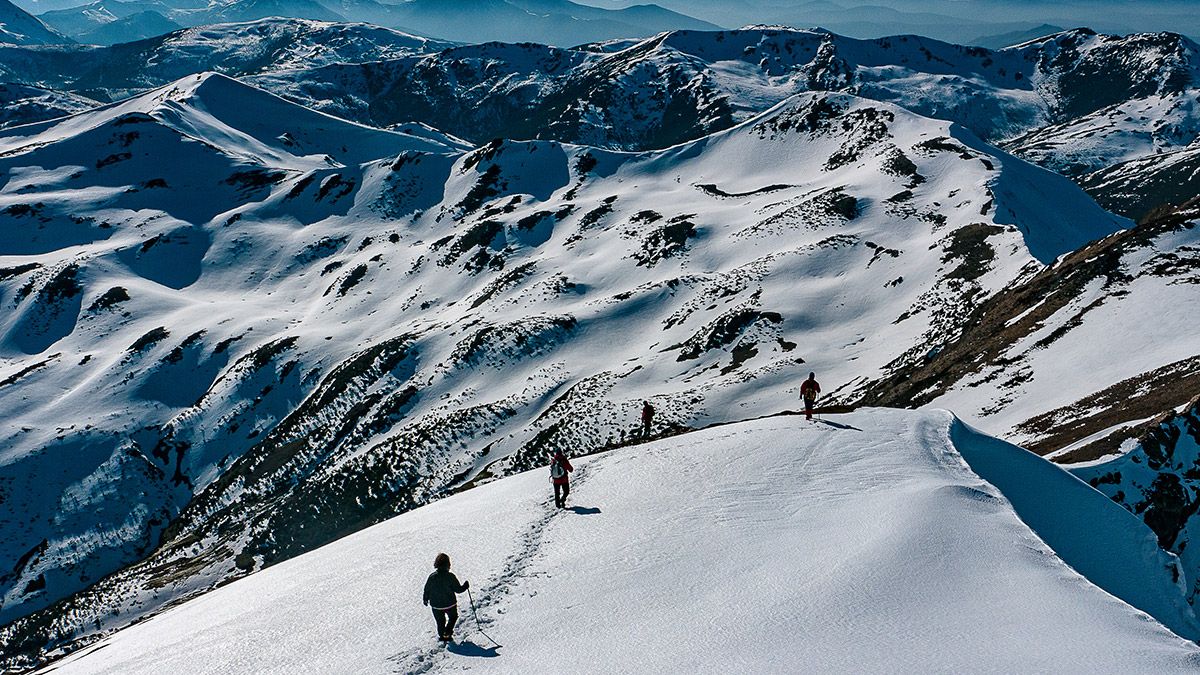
<point>863,543</point>
<point>1100,342</point>
<point>319,344</point>
<point>18,27</point>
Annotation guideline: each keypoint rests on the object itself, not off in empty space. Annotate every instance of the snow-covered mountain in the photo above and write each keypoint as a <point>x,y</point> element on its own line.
<point>560,22</point>
<point>1141,185</point>
<point>233,49</point>
<point>137,26</point>
<point>87,18</point>
<point>353,321</point>
<point>860,544</point>
<point>18,27</point>
<point>21,104</point>
<point>1075,101</point>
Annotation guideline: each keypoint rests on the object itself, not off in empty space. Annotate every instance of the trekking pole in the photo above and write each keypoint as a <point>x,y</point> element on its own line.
<point>471,599</point>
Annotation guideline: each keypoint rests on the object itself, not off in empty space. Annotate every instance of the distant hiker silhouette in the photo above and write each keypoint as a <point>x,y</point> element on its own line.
<point>809,391</point>
<point>560,467</point>
<point>440,590</point>
<point>647,418</point>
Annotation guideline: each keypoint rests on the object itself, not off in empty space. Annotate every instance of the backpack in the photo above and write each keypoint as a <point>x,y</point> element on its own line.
<point>556,470</point>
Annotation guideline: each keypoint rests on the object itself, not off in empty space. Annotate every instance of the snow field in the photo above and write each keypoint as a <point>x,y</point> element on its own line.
<point>862,543</point>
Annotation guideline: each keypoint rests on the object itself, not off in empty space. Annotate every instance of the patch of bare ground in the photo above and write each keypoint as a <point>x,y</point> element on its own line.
<point>1137,398</point>
<point>984,343</point>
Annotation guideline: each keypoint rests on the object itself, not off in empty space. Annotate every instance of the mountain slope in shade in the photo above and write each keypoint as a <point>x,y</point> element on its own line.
<point>18,27</point>
<point>137,26</point>
<point>236,11</point>
<point>1138,186</point>
<point>90,16</point>
<point>20,104</point>
<point>319,344</point>
<point>1011,38</point>
<point>779,535</point>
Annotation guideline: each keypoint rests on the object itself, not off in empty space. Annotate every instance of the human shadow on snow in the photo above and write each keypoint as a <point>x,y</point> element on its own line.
<point>468,648</point>
<point>584,510</point>
<point>839,426</point>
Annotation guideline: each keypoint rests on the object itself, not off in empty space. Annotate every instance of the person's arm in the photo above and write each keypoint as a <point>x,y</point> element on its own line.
<point>567,464</point>
<point>459,588</point>
<point>425,597</point>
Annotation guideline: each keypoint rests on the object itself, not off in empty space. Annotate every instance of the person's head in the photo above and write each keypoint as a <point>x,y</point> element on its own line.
<point>812,376</point>
<point>441,562</point>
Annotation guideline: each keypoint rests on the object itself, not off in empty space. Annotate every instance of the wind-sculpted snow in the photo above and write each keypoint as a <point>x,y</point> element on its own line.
<point>282,345</point>
<point>862,543</point>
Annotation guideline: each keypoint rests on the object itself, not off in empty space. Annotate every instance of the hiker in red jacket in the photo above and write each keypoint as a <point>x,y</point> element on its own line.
<point>647,418</point>
<point>809,391</point>
<point>560,467</point>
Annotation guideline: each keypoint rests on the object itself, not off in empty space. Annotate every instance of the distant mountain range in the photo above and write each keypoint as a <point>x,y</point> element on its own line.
<point>558,22</point>
<point>1077,102</point>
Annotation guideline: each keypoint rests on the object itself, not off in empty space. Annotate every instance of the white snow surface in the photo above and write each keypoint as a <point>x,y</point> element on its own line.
<point>861,543</point>
<point>529,292</point>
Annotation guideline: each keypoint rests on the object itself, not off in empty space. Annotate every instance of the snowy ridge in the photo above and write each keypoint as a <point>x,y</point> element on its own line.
<point>320,344</point>
<point>21,104</point>
<point>856,544</point>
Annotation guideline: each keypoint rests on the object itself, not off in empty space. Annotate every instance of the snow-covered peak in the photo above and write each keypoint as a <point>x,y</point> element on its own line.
<point>233,118</point>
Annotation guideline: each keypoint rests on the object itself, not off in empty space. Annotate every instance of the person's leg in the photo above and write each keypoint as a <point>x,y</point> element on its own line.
<point>452,618</point>
<point>808,408</point>
<point>566,493</point>
<point>558,498</point>
<point>439,617</point>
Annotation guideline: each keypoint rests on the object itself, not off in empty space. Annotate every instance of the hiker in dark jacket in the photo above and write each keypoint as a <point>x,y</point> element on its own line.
<point>809,391</point>
<point>647,418</point>
<point>560,468</point>
<point>440,590</point>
